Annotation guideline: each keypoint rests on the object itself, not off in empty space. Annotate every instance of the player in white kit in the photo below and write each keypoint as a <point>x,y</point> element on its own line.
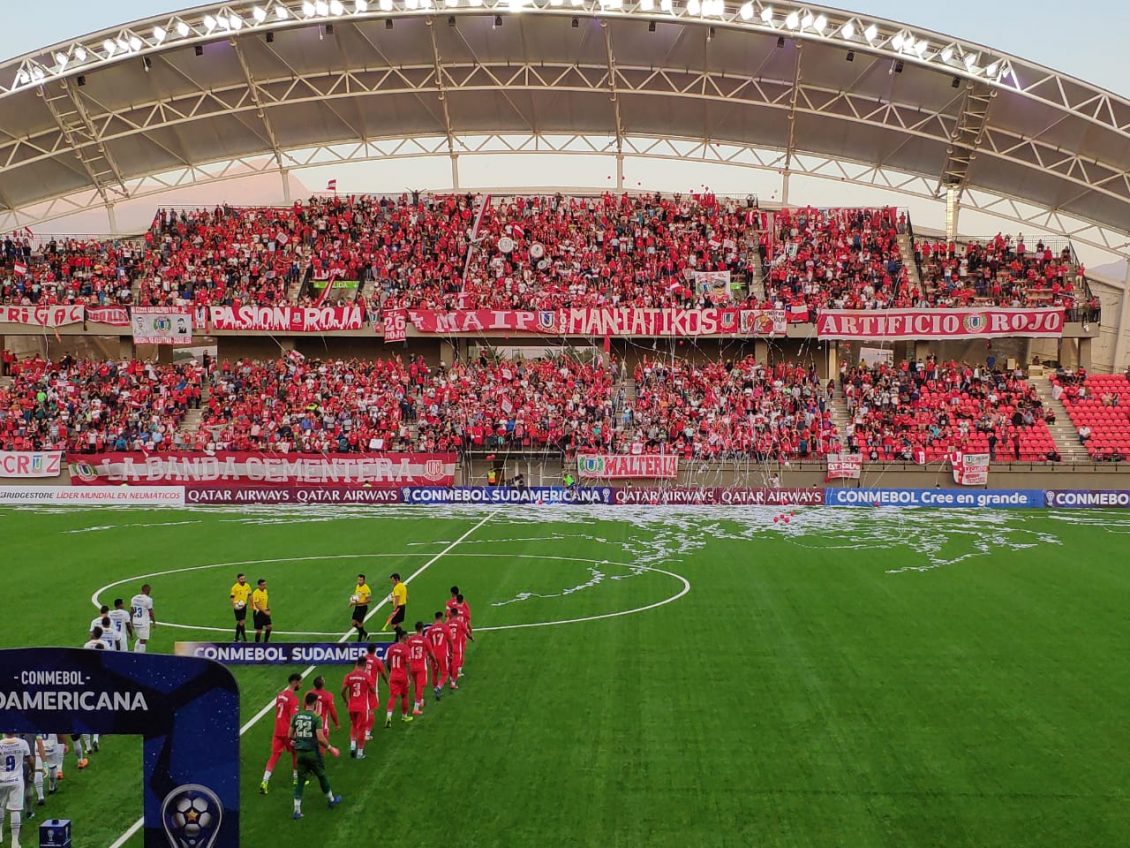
<point>141,615</point>
<point>120,618</point>
<point>14,755</point>
<point>48,764</point>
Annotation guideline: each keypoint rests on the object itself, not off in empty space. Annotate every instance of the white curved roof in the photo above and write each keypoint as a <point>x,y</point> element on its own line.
<point>90,118</point>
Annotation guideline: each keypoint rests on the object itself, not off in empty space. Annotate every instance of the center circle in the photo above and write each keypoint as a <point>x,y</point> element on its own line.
<point>685,587</point>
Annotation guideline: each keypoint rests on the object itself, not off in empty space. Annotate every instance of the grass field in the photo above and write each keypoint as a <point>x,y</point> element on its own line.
<point>851,678</point>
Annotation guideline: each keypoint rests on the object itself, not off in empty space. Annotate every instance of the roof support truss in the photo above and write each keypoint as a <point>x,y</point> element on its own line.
<point>83,139</point>
<point>966,137</point>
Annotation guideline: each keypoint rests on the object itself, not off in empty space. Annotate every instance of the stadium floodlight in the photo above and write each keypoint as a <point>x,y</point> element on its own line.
<point>746,11</point>
<point>183,29</point>
<point>80,54</point>
<point>109,47</point>
<point>336,8</point>
<point>282,13</point>
<point>921,46</point>
<point>807,20</point>
<point>123,45</point>
<point>321,7</point>
<point>947,54</point>
<point>992,69</point>
<point>134,43</point>
<point>386,5</point>
<point>61,60</point>
<point>411,5</point>
<point>647,5</point>
<point>474,2</point>
<point>897,42</point>
<point>223,20</point>
<point>694,7</point>
<point>37,74</point>
<point>970,60</point>
<point>308,9</point>
<point>259,14</point>
<point>666,6</point>
<point>235,22</point>
<point>767,15</point>
<point>871,33</point>
<point>848,30</point>
<point>793,20</point>
<point>159,34</point>
<point>820,24</point>
<point>450,3</point>
<point>209,23</point>
<point>360,7</point>
<point>22,78</point>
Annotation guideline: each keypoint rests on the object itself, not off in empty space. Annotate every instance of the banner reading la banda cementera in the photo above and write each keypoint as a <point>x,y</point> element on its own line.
<point>903,324</point>
<point>264,469</point>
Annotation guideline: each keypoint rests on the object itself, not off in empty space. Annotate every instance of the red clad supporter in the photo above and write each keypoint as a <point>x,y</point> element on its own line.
<point>67,271</point>
<point>924,411</point>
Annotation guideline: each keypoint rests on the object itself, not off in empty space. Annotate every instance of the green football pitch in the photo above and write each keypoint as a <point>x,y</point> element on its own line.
<point>651,677</point>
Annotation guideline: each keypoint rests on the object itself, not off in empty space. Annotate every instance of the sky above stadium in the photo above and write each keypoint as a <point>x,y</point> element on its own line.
<point>1091,45</point>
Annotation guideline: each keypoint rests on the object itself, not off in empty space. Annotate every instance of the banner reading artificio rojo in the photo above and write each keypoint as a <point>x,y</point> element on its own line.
<point>288,319</point>
<point>899,324</point>
<point>605,322</point>
<point>615,467</point>
<point>181,467</point>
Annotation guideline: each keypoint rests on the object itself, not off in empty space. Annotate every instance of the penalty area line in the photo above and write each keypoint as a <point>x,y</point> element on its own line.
<point>270,705</point>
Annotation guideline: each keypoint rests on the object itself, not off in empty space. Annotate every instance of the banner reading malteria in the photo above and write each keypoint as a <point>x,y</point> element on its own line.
<point>182,467</point>
<point>901,324</point>
<point>161,325</point>
<point>614,467</point>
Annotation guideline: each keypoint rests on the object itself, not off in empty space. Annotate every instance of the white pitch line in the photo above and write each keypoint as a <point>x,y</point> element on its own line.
<point>137,825</point>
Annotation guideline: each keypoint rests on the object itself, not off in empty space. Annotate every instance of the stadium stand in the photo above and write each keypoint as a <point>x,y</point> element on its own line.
<point>923,414</point>
<point>1099,408</point>
<point>729,409</point>
<point>91,406</point>
<point>67,271</point>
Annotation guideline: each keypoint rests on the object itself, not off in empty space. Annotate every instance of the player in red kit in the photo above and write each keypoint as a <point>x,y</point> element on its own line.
<point>286,705</point>
<point>325,707</point>
<point>439,648</point>
<point>457,630</point>
<point>375,669</point>
<point>355,691</point>
<point>418,666</point>
<point>397,658</point>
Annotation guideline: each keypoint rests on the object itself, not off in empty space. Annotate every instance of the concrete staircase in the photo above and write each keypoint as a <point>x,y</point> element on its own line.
<point>840,417</point>
<point>1063,431</point>
<point>194,417</point>
<point>294,290</point>
<point>756,279</point>
<point>906,250</point>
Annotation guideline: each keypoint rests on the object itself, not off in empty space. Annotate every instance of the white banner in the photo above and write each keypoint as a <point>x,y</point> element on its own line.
<point>971,469</point>
<point>92,495</point>
<point>31,463</point>
<point>844,466</point>
<point>161,325</point>
<point>713,284</point>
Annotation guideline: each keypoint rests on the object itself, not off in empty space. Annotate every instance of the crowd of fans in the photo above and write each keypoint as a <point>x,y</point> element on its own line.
<point>92,406</point>
<point>1003,271</point>
<point>839,258</point>
<point>731,409</point>
<point>459,251</point>
<point>68,271</point>
<point>925,411</point>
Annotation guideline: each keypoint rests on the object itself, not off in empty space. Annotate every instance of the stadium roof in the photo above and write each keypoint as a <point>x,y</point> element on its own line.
<point>223,90</point>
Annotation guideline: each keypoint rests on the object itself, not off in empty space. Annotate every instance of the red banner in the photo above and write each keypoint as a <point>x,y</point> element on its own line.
<point>115,316</point>
<point>388,469</point>
<point>616,467</point>
<point>288,319</point>
<point>605,322</point>
<point>896,324</point>
<point>42,316</point>
<point>395,323</point>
